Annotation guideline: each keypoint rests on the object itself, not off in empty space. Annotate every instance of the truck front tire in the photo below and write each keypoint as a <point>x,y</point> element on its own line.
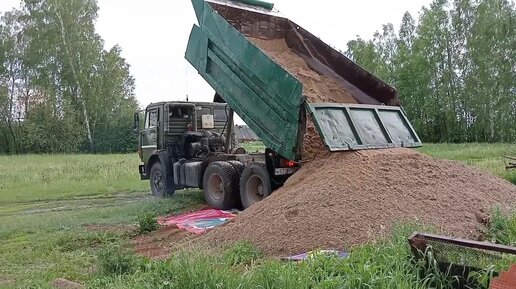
<point>219,185</point>
<point>162,186</point>
<point>255,184</point>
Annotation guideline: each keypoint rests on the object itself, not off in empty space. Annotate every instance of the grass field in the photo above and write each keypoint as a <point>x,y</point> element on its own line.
<point>47,203</point>
<point>488,157</point>
<point>53,177</point>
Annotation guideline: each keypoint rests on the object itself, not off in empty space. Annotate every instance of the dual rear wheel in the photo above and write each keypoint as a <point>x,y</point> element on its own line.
<point>226,185</point>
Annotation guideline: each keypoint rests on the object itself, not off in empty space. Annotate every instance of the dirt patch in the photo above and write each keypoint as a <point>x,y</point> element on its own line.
<point>6,281</point>
<point>61,283</point>
<point>159,244</point>
<point>346,199</point>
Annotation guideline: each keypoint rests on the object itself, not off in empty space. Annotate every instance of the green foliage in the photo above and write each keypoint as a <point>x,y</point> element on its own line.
<point>242,253</point>
<point>147,223</point>
<point>60,90</point>
<point>115,260</point>
<point>502,228</point>
<point>454,69</point>
<point>41,133</point>
<point>382,265</point>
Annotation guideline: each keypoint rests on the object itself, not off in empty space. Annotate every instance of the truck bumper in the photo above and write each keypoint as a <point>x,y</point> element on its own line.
<point>143,173</point>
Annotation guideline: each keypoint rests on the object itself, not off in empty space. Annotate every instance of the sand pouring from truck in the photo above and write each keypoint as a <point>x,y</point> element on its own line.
<point>188,144</point>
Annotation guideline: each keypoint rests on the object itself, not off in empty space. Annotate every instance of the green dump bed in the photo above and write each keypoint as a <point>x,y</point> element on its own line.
<point>270,99</point>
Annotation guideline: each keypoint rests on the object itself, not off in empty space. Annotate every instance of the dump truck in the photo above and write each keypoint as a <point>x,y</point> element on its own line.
<point>188,145</point>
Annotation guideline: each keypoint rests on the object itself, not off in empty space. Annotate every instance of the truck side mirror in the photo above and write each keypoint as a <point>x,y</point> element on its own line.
<point>136,122</point>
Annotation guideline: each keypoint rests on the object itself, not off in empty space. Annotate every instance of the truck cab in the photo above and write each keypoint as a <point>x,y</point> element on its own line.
<point>167,125</point>
<point>190,145</point>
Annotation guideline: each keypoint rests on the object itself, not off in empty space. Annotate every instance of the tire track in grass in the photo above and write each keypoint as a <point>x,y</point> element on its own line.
<point>74,203</point>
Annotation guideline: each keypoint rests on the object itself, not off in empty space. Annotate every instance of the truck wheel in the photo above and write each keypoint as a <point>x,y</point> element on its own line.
<point>255,184</point>
<point>219,185</point>
<point>238,166</point>
<point>161,185</point>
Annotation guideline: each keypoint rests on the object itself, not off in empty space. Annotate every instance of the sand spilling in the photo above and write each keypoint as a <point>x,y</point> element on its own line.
<point>339,200</point>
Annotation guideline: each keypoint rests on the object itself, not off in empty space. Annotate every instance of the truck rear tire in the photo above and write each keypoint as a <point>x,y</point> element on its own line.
<point>219,185</point>
<point>238,166</point>
<point>255,184</point>
<point>161,184</point>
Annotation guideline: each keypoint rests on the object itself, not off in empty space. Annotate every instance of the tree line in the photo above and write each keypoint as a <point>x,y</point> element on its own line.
<point>60,90</point>
<point>454,68</point>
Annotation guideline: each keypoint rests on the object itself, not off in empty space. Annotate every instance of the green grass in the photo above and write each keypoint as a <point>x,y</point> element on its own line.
<point>46,202</point>
<point>488,157</point>
<point>37,247</point>
<point>502,229</point>
<point>52,177</point>
<point>383,265</point>
<point>253,147</point>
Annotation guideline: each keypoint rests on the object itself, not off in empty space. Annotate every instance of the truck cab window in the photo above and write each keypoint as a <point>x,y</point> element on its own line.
<point>152,119</point>
<point>220,114</point>
<point>178,112</point>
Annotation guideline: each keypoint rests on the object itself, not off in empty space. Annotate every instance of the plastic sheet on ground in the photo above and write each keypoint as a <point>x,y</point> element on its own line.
<point>313,254</point>
<point>198,222</point>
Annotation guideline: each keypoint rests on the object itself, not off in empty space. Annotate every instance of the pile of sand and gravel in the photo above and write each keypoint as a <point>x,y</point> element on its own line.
<point>346,199</point>
<point>339,200</point>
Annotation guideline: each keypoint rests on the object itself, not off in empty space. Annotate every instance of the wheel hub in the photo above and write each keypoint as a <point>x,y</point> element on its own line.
<point>255,189</point>
<point>158,181</point>
<point>216,187</point>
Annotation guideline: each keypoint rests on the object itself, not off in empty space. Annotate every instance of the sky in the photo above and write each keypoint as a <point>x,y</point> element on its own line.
<point>153,35</point>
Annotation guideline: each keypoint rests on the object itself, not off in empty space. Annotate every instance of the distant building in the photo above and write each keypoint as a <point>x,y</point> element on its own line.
<point>244,134</point>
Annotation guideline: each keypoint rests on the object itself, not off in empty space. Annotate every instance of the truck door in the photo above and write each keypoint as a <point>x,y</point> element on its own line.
<point>149,134</point>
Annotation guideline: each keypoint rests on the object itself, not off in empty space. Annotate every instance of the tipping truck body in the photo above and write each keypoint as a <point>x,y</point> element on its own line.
<point>270,99</point>
<point>189,144</point>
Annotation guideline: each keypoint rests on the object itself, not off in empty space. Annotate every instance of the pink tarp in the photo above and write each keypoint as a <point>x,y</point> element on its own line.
<point>198,222</point>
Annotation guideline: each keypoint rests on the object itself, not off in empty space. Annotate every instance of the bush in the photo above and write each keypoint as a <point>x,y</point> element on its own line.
<point>147,223</point>
<point>502,228</point>
<point>114,260</point>
<point>242,253</point>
